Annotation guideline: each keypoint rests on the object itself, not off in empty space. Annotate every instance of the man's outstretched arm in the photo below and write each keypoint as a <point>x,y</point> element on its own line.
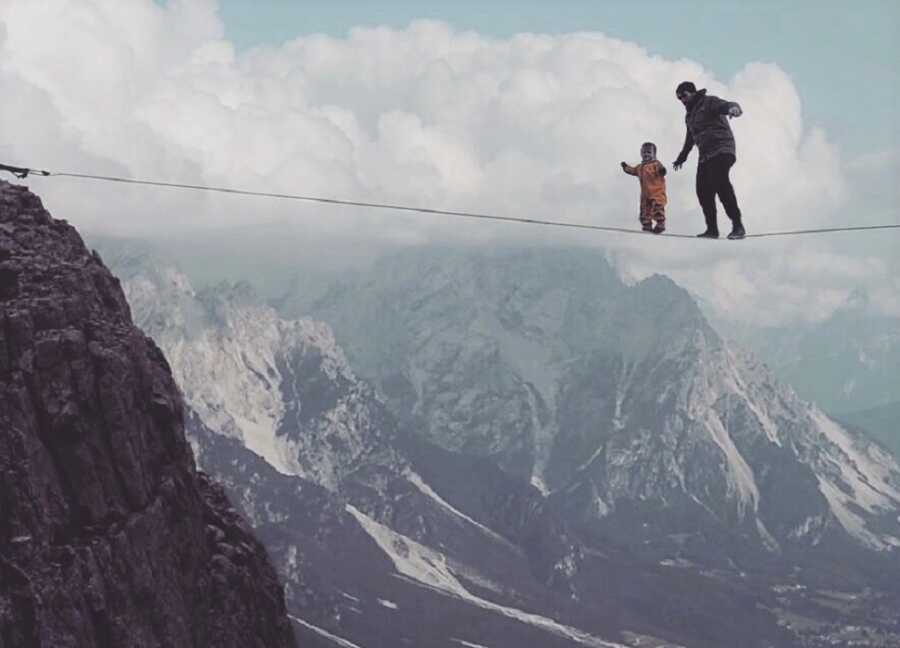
<point>685,151</point>
<point>731,108</point>
<point>723,107</point>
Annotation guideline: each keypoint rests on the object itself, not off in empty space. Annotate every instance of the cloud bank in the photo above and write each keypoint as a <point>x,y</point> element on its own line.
<point>531,126</point>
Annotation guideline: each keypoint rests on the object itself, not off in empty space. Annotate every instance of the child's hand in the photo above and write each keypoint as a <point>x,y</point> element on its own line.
<point>624,165</point>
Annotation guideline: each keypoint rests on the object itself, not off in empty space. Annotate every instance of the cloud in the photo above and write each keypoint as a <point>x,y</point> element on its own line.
<point>531,126</point>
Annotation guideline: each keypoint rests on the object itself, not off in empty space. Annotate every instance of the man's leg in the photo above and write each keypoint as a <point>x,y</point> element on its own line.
<point>725,191</point>
<point>706,194</point>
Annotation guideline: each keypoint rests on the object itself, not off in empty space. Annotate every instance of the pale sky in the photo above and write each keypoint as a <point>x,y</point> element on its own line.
<point>843,57</point>
<point>515,109</point>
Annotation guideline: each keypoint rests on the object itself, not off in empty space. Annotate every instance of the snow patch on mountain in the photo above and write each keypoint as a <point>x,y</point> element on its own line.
<point>867,468</point>
<point>343,643</point>
<point>540,484</point>
<point>430,568</point>
<point>468,644</point>
<point>852,523</point>
<point>739,386</point>
<point>414,478</point>
<point>808,526</point>
<point>233,387</point>
<point>856,476</point>
<point>716,378</point>
<point>543,442</point>
<point>740,474</point>
<point>246,372</point>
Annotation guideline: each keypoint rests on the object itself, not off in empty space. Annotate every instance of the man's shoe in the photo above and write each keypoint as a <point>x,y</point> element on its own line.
<point>708,234</point>
<point>659,229</point>
<point>737,232</point>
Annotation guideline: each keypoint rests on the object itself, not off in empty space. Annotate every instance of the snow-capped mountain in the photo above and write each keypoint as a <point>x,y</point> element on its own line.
<point>619,401</point>
<point>319,469</point>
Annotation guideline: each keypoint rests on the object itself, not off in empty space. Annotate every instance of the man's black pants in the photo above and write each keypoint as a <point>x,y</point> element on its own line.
<point>712,180</point>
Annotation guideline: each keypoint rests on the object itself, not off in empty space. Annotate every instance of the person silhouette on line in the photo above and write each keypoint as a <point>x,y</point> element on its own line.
<point>706,118</point>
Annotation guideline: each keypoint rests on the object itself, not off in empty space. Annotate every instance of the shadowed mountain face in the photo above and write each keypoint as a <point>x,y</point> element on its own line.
<point>108,534</point>
<point>575,461</point>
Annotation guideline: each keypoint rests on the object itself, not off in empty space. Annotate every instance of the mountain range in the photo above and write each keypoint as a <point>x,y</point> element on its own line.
<point>533,442</point>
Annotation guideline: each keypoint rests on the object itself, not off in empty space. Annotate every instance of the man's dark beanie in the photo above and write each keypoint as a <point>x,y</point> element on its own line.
<point>685,86</point>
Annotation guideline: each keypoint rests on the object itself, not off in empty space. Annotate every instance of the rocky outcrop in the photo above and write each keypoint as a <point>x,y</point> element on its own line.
<point>109,536</point>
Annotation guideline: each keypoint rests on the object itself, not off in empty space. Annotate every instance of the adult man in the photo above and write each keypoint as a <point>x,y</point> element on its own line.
<point>707,127</point>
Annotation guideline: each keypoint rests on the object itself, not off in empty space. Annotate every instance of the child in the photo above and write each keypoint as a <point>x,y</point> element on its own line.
<point>652,175</point>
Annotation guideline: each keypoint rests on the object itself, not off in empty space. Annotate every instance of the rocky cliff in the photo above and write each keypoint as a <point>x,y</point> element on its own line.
<point>109,536</point>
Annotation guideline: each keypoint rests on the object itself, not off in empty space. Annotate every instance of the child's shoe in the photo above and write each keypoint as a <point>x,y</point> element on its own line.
<point>659,229</point>
<point>647,228</point>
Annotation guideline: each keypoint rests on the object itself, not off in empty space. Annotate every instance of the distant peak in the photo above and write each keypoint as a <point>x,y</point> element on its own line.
<point>858,299</point>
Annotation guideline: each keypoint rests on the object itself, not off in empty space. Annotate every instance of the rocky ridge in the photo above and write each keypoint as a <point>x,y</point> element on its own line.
<point>109,536</point>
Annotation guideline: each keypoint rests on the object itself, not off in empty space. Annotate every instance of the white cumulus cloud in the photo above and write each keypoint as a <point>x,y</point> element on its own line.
<point>531,126</point>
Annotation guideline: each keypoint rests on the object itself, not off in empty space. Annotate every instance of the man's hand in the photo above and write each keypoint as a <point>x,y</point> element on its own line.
<point>734,111</point>
<point>677,165</point>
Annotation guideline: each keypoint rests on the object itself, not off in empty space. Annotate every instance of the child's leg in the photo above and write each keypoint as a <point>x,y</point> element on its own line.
<point>659,215</point>
<point>646,214</point>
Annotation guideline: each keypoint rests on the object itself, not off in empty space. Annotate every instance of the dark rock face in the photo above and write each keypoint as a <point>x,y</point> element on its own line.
<point>108,534</point>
